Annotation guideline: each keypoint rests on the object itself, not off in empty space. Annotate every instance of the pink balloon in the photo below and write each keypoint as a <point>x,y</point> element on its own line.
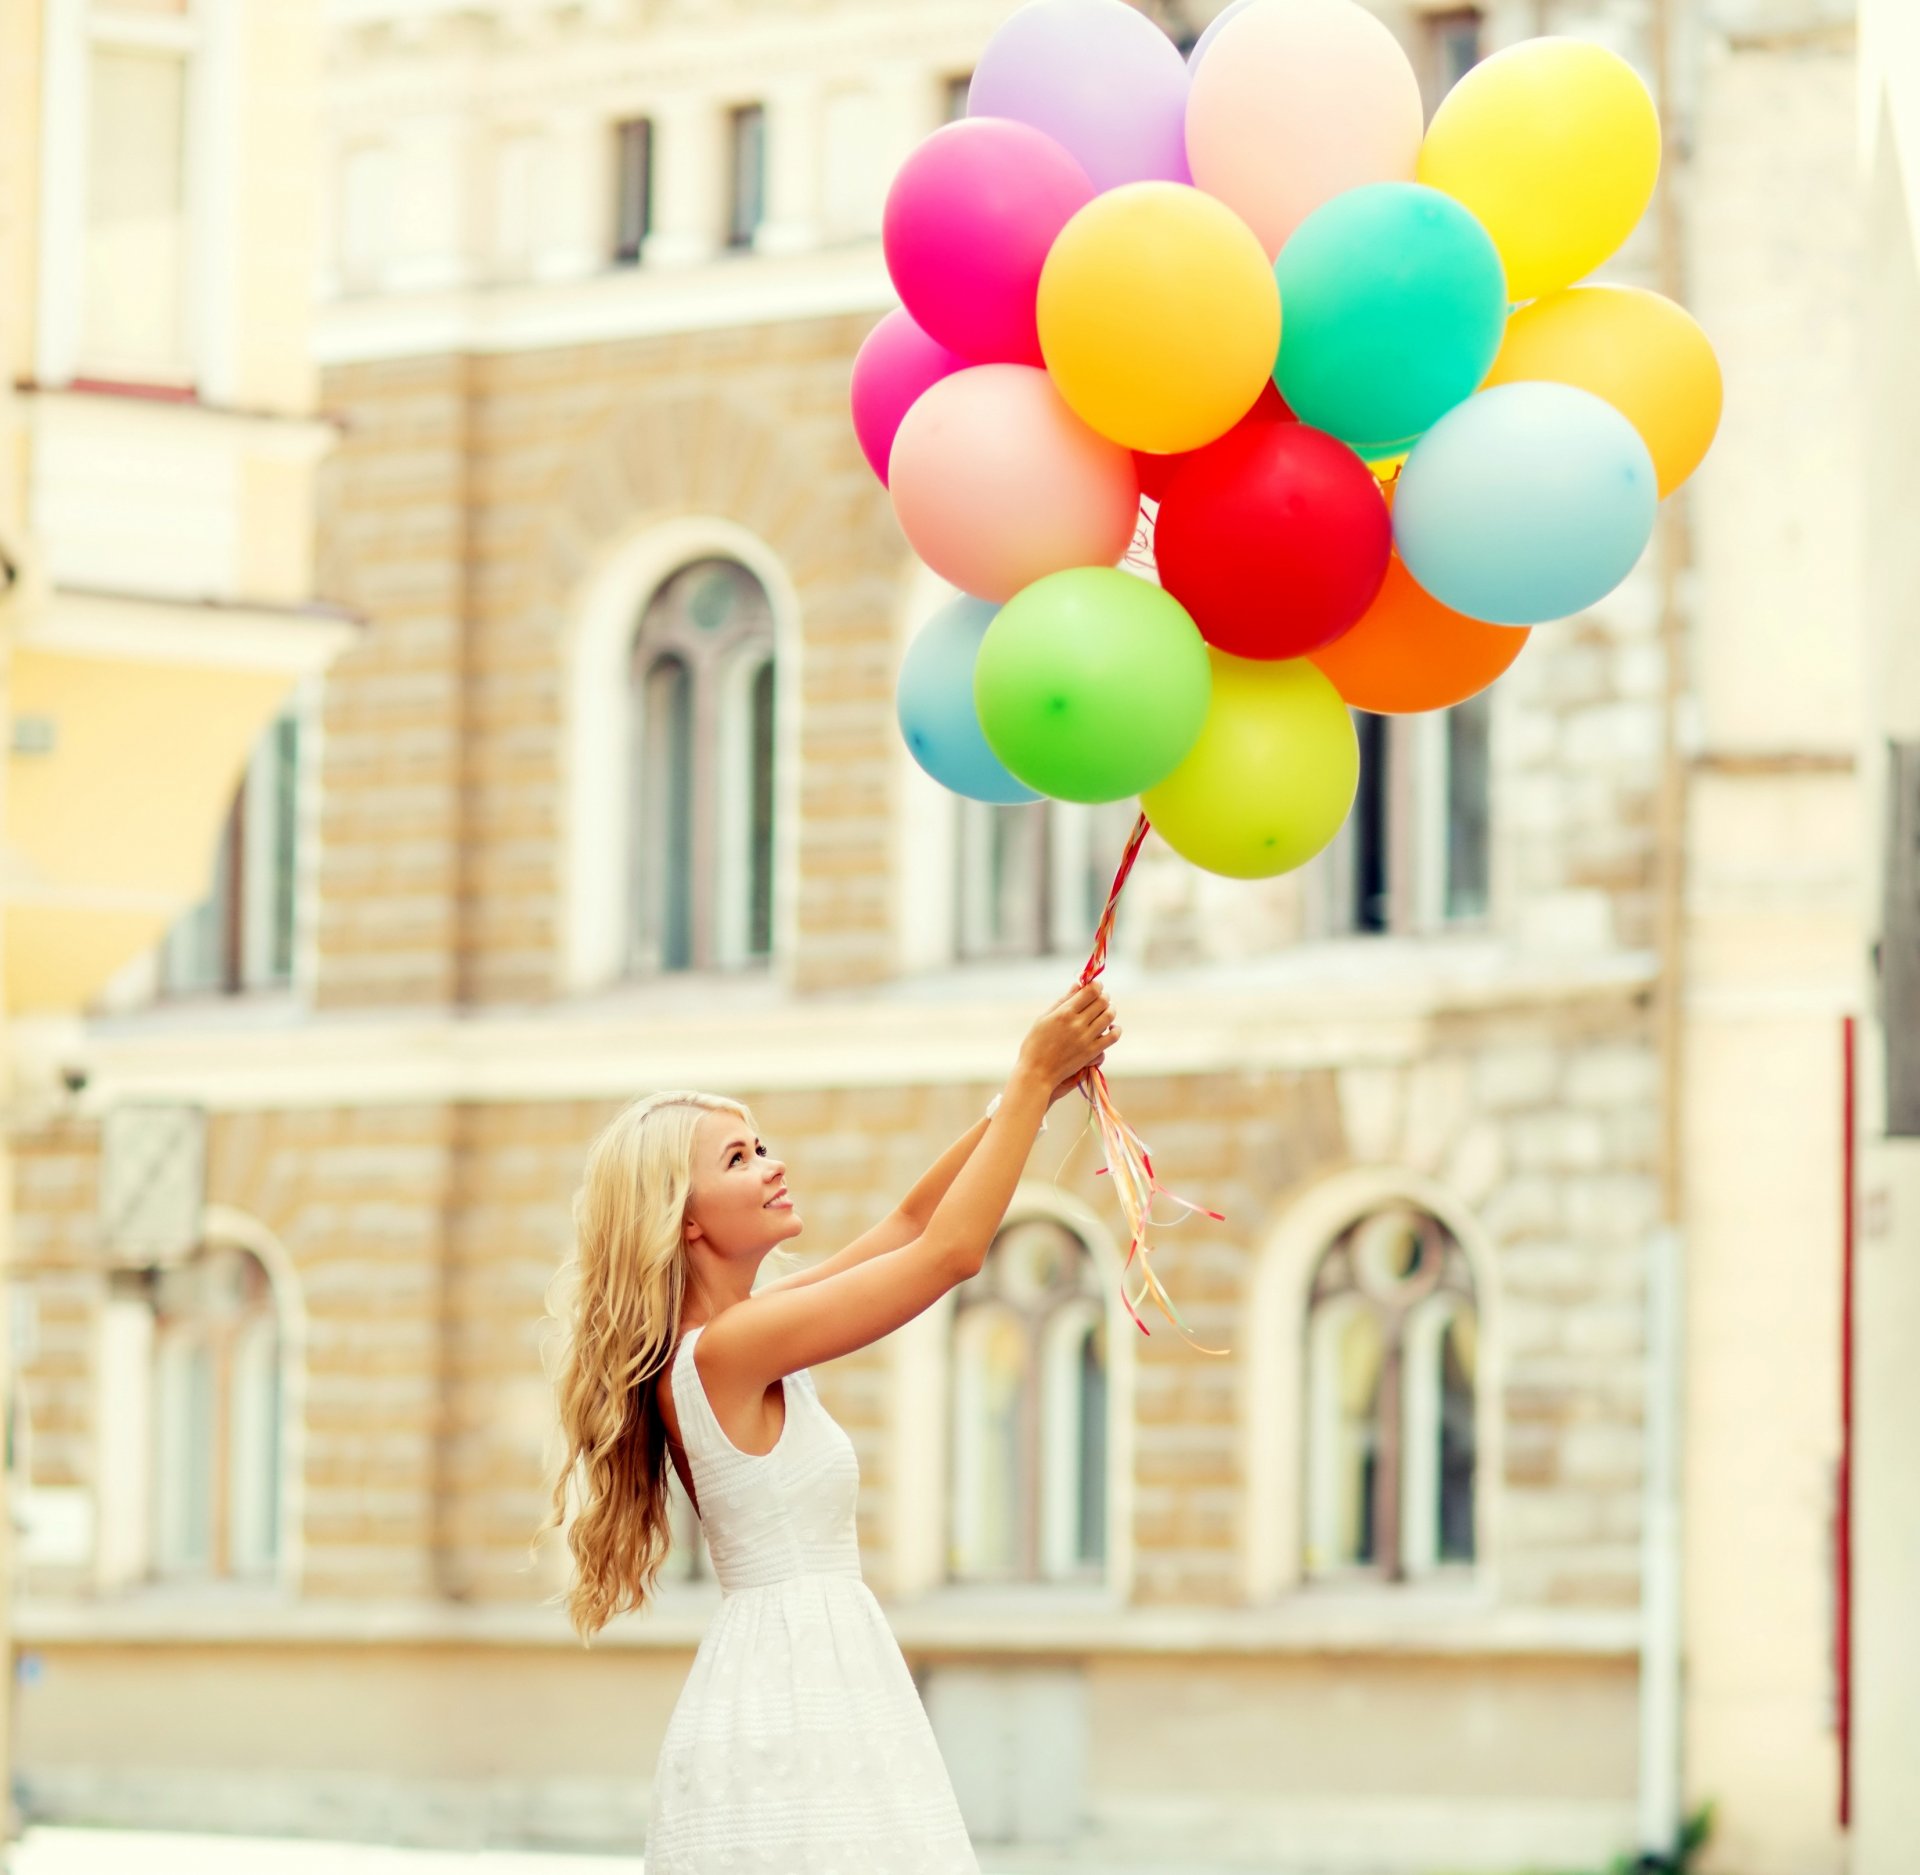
<point>893,368</point>
<point>997,483</point>
<point>969,221</point>
<point>1297,102</point>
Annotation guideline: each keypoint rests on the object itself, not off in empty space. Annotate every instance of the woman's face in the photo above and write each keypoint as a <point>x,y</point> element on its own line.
<point>738,1204</point>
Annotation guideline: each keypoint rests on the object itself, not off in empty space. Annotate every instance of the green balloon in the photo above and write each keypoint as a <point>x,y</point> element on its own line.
<point>1092,685</point>
<point>1393,308</point>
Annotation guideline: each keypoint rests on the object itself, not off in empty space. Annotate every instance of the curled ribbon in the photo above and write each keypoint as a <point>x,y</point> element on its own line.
<point>1129,1163</point>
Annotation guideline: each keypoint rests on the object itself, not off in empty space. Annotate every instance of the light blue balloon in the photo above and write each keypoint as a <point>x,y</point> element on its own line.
<point>1393,304</point>
<point>934,701</point>
<point>1529,502</point>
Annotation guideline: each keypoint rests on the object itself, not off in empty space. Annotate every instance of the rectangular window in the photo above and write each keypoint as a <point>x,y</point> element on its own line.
<point>747,174</point>
<point>1453,40</point>
<point>242,935</point>
<point>1416,851</point>
<point>1469,859</point>
<point>137,247</point>
<point>1370,903</point>
<point>1005,884</point>
<point>633,189</point>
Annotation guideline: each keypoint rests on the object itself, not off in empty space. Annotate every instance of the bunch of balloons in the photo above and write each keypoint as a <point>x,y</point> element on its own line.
<point>1338,356</point>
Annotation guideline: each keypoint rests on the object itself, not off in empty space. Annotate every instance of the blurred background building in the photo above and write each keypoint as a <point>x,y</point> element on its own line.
<point>1511,1525</point>
<point>159,444</point>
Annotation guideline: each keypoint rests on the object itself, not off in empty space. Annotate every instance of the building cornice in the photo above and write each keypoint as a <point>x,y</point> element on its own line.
<point>1312,1007</point>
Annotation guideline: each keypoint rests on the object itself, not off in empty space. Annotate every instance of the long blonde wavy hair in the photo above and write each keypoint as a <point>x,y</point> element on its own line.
<point>619,1301</point>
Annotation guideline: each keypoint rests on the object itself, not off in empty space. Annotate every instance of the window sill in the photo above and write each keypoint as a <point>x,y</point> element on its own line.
<point>1389,1623</point>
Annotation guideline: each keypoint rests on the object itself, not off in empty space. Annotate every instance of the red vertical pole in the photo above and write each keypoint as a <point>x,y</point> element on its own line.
<point>1843,1518</point>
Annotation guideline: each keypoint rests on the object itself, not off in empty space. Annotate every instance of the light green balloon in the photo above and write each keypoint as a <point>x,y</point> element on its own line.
<point>1272,776</point>
<point>1091,684</point>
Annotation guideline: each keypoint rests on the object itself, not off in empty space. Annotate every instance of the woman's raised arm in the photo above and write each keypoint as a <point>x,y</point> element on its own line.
<point>787,1326</point>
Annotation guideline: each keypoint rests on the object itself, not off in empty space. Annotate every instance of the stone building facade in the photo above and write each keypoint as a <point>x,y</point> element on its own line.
<point>1386,1584</point>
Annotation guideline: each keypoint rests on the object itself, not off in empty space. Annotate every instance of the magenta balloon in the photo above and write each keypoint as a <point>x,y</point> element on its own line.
<point>1204,44</point>
<point>895,365</point>
<point>1100,79</point>
<point>970,219</point>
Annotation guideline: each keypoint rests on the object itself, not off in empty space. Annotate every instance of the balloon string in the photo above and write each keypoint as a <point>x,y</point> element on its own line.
<point>1129,1163</point>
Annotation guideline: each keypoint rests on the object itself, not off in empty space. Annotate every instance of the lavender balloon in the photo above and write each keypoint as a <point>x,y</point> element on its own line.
<point>1204,44</point>
<point>1101,80</point>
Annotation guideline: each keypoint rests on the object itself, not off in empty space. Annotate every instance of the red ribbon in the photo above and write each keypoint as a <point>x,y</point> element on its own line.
<point>1129,1164</point>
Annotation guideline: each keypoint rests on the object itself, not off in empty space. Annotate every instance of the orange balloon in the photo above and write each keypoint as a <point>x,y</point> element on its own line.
<point>1410,653</point>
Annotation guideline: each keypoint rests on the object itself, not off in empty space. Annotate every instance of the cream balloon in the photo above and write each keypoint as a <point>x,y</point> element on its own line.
<point>997,483</point>
<point>1296,102</point>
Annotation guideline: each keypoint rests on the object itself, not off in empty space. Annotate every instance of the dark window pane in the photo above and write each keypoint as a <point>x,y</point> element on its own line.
<point>1372,908</point>
<point>666,859</point>
<point>286,805</point>
<point>633,189</point>
<point>1453,49</point>
<point>1456,1444</point>
<point>1091,1544</point>
<point>760,842</point>
<point>1468,861</point>
<point>747,191</point>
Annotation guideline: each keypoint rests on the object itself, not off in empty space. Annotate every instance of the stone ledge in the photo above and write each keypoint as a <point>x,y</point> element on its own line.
<point>962,1623</point>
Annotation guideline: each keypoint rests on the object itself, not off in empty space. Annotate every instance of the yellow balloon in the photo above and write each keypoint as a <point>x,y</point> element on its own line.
<point>1555,145</point>
<point>1646,356</point>
<point>1159,316</point>
<point>1272,777</point>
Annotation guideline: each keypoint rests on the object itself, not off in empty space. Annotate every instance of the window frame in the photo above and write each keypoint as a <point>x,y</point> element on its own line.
<point>1410,1318</point>
<point>1414,825</point>
<point>1053,1328</point>
<point>746,209</point>
<point>201,36</point>
<point>632,233</point>
<point>227,1341</point>
<point>723,885</point>
<point>249,920</point>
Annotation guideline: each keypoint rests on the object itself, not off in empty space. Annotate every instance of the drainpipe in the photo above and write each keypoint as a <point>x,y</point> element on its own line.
<point>1661,1784</point>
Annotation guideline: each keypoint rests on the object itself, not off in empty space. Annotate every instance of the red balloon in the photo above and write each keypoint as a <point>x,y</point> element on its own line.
<point>1157,472</point>
<point>1276,539</point>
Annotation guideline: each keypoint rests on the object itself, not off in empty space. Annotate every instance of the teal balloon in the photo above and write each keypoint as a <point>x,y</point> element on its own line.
<point>934,702</point>
<point>1393,304</point>
<point>1530,502</point>
<point>1092,684</point>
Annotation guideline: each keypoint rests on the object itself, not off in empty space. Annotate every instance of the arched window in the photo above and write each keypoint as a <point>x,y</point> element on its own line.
<point>206,1333</point>
<point>1392,1358</point>
<point>703,694</point>
<point>1028,1496</point>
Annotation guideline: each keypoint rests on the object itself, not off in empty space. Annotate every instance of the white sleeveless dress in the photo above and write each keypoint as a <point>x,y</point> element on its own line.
<point>799,1745</point>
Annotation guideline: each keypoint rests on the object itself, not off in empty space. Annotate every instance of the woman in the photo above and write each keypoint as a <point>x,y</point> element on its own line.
<point>799,1744</point>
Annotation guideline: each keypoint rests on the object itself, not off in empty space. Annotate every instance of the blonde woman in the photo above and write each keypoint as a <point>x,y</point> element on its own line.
<point>799,1745</point>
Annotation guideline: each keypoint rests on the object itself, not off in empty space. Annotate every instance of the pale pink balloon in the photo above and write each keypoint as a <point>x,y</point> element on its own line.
<point>1296,102</point>
<point>997,483</point>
